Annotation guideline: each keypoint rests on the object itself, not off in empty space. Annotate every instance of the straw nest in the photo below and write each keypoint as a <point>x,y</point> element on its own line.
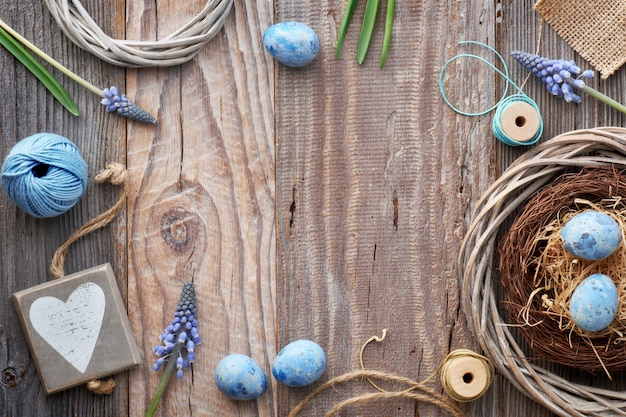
<point>550,165</point>
<point>539,275</point>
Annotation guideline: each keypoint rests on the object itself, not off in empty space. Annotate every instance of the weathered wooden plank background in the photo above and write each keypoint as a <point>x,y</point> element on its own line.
<point>326,202</point>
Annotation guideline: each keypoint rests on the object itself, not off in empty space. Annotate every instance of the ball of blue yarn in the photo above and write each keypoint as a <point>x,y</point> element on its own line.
<point>45,175</point>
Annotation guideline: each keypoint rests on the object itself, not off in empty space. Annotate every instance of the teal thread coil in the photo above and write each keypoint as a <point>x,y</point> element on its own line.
<point>44,175</point>
<point>503,105</point>
<point>520,121</point>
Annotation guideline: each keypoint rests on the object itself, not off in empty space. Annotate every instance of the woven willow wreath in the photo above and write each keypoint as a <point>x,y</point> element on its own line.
<point>601,147</point>
<point>175,49</point>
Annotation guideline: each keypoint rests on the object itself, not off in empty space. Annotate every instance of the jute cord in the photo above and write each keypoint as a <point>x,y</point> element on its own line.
<point>367,342</point>
<point>416,391</point>
<point>537,50</point>
<point>176,48</point>
<point>101,386</point>
<point>115,174</point>
<point>600,147</point>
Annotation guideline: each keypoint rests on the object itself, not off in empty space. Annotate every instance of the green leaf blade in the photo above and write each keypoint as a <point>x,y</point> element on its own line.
<point>38,71</point>
<point>391,4</point>
<point>345,22</point>
<point>369,19</point>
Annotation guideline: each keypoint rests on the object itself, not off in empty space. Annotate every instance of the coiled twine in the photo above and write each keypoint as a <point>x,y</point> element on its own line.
<point>466,375</point>
<point>517,120</point>
<point>45,175</point>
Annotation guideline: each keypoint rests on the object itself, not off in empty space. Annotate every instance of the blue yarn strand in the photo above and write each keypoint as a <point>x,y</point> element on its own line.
<point>504,74</point>
<point>45,175</point>
<point>501,104</point>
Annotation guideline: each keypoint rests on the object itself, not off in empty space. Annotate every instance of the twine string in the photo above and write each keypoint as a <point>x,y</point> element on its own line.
<point>101,386</point>
<point>416,391</point>
<point>504,75</point>
<point>367,342</point>
<point>115,174</point>
<point>502,104</point>
<point>537,49</point>
<point>446,374</point>
<point>428,396</point>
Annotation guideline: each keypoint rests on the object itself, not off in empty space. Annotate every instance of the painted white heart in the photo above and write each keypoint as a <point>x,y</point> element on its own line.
<point>71,328</point>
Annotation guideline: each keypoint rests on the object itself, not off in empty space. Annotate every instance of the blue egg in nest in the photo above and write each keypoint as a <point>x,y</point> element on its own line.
<point>591,235</point>
<point>594,303</point>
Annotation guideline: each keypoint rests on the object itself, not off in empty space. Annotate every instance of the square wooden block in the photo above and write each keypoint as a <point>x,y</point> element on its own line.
<point>77,328</point>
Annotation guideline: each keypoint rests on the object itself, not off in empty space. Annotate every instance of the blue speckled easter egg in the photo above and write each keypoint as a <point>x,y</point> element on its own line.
<point>240,377</point>
<point>594,303</point>
<point>292,43</point>
<point>299,363</point>
<point>591,235</point>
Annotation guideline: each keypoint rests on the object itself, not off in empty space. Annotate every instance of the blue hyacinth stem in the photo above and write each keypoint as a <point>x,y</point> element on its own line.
<point>602,97</point>
<point>56,64</point>
<point>167,373</point>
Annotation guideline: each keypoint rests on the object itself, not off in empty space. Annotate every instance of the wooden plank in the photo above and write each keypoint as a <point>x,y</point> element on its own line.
<point>201,203</point>
<point>375,180</point>
<point>29,244</point>
<point>370,222</point>
<point>353,226</point>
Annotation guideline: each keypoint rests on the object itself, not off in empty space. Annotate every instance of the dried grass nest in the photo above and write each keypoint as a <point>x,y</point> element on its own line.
<point>539,275</point>
<point>575,153</point>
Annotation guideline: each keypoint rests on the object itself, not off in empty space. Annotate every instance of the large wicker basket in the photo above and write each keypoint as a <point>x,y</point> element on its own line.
<point>498,336</point>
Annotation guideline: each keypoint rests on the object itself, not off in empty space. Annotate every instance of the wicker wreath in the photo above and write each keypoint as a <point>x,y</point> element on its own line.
<point>538,167</point>
<point>175,49</point>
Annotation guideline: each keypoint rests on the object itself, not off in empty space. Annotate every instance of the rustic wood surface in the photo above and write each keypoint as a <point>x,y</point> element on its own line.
<point>327,202</point>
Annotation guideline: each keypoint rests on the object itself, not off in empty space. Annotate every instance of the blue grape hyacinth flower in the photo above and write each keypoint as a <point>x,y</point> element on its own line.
<point>559,75</point>
<point>563,78</point>
<point>120,104</point>
<point>111,98</point>
<point>177,343</point>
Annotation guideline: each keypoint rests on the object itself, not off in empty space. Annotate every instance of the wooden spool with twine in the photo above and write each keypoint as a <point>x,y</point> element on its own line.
<point>482,299</point>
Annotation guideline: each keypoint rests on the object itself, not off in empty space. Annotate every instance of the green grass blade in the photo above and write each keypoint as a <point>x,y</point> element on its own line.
<point>345,22</point>
<point>38,71</point>
<point>387,37</point>
<point>371,10</point>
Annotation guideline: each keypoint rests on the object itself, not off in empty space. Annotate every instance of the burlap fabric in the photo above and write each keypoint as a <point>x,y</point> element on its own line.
<point>595,29</point>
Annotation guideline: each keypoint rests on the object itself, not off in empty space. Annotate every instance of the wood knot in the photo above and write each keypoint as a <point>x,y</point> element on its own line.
<point>9,377</point>
<point>179,229</point>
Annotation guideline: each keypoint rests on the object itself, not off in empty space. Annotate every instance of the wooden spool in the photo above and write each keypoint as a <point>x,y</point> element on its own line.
<point>520,121</point>
<point>465,377</point>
